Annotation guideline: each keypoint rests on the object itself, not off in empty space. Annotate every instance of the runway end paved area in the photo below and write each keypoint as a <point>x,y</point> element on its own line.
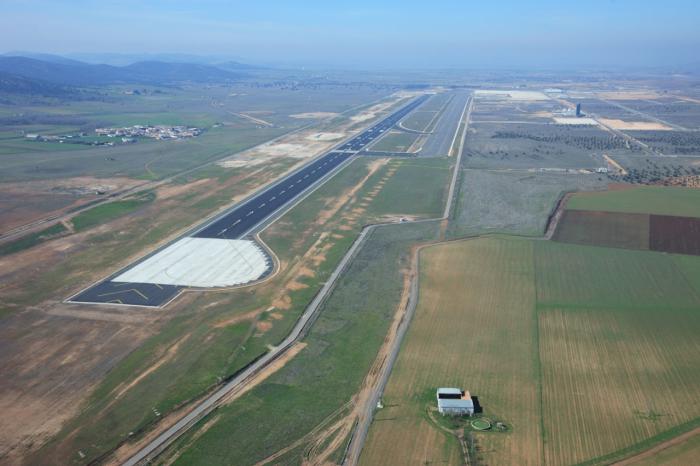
<point>133,294</point>
<point>201,262</point>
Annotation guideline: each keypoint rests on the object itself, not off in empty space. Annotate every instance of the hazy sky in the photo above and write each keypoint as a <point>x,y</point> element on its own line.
<point>367,33</point>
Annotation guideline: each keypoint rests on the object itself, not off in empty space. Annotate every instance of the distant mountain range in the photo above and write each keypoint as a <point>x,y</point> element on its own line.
<point>47,72</point>
<point>14,84</point>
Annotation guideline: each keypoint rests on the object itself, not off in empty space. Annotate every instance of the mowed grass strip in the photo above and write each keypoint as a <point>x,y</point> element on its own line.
<point>474,328</point>
<point>395,142</point>
<point>105,212</point>
<point>419,120</point>
<point>417,188</point>
<point>662,200</point>
<point>32,239</point>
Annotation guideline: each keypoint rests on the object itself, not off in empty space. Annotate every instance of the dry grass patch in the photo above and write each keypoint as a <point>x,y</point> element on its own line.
<point>634,125</point>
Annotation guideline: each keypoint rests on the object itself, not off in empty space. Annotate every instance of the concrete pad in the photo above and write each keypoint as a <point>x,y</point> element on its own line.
<point>201,262</point>
<point>575,121</point>
<point>518,95</point>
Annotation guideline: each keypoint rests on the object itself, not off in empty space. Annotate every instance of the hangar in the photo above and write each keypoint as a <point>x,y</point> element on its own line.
<point>455,402</point>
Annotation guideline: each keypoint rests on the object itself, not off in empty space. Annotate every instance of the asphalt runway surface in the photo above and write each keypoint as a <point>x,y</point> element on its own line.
<point>438,144</point>
<point>242,219</point>
<point>134,294</point>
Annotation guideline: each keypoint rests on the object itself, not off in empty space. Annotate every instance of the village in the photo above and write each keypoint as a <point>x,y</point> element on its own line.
<point>126,135</point>
<point>156,132</point>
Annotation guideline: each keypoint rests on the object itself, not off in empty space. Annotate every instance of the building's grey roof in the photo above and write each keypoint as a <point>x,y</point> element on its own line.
<point>455,404</point>
<point>449,391</point>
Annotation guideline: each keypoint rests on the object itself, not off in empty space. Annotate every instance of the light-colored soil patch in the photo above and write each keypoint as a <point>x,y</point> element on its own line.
<point>634,125</point>
<point>30,201</point>
<point>238,163</point>
<point>295,286</point>
<point>526,96</point>
<point>257,121</point>
<point>575,121</point>
<point>168,356</point>
<point>612,163</point>
<point>372,112</point>
<point>47,372</point>
<point>172,189</point>
<point>252,315</point>
<point>314,115</point>
<point>325,136</point>
<point>542,114</point>
<point>263,326</point>
<point>629,95</point>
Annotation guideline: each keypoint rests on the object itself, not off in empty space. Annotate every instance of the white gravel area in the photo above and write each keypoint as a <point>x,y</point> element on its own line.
<point>201,262</point>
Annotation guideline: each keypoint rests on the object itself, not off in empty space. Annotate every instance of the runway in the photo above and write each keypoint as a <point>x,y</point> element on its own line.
<point>439,142</point>
<point>242,220</point>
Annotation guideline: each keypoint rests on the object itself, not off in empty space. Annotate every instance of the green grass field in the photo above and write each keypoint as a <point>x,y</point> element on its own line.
<point>585,352</point>
<point>428,180</point>
<point>32,239</point>
<point>662,200</point>
<point>419,120</point>
<point>510,202</point>
<point>106,212</point>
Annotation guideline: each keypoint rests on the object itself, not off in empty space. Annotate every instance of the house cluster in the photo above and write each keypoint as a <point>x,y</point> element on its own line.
<point>159,132</point>
<point>79,138</point>
<point>51,138</point>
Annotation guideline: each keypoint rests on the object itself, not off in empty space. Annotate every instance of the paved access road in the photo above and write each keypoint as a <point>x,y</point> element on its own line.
<point>244,218</point>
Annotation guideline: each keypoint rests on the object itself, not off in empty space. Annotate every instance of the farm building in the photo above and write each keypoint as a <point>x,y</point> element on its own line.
<point>454,401</point>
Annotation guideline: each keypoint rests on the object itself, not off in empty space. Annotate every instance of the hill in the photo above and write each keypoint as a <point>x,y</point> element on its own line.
<point>14,84</point>
<point>75,73</point>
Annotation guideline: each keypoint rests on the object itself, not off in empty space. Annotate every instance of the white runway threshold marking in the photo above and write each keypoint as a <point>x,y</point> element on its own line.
<point>201,262</point>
